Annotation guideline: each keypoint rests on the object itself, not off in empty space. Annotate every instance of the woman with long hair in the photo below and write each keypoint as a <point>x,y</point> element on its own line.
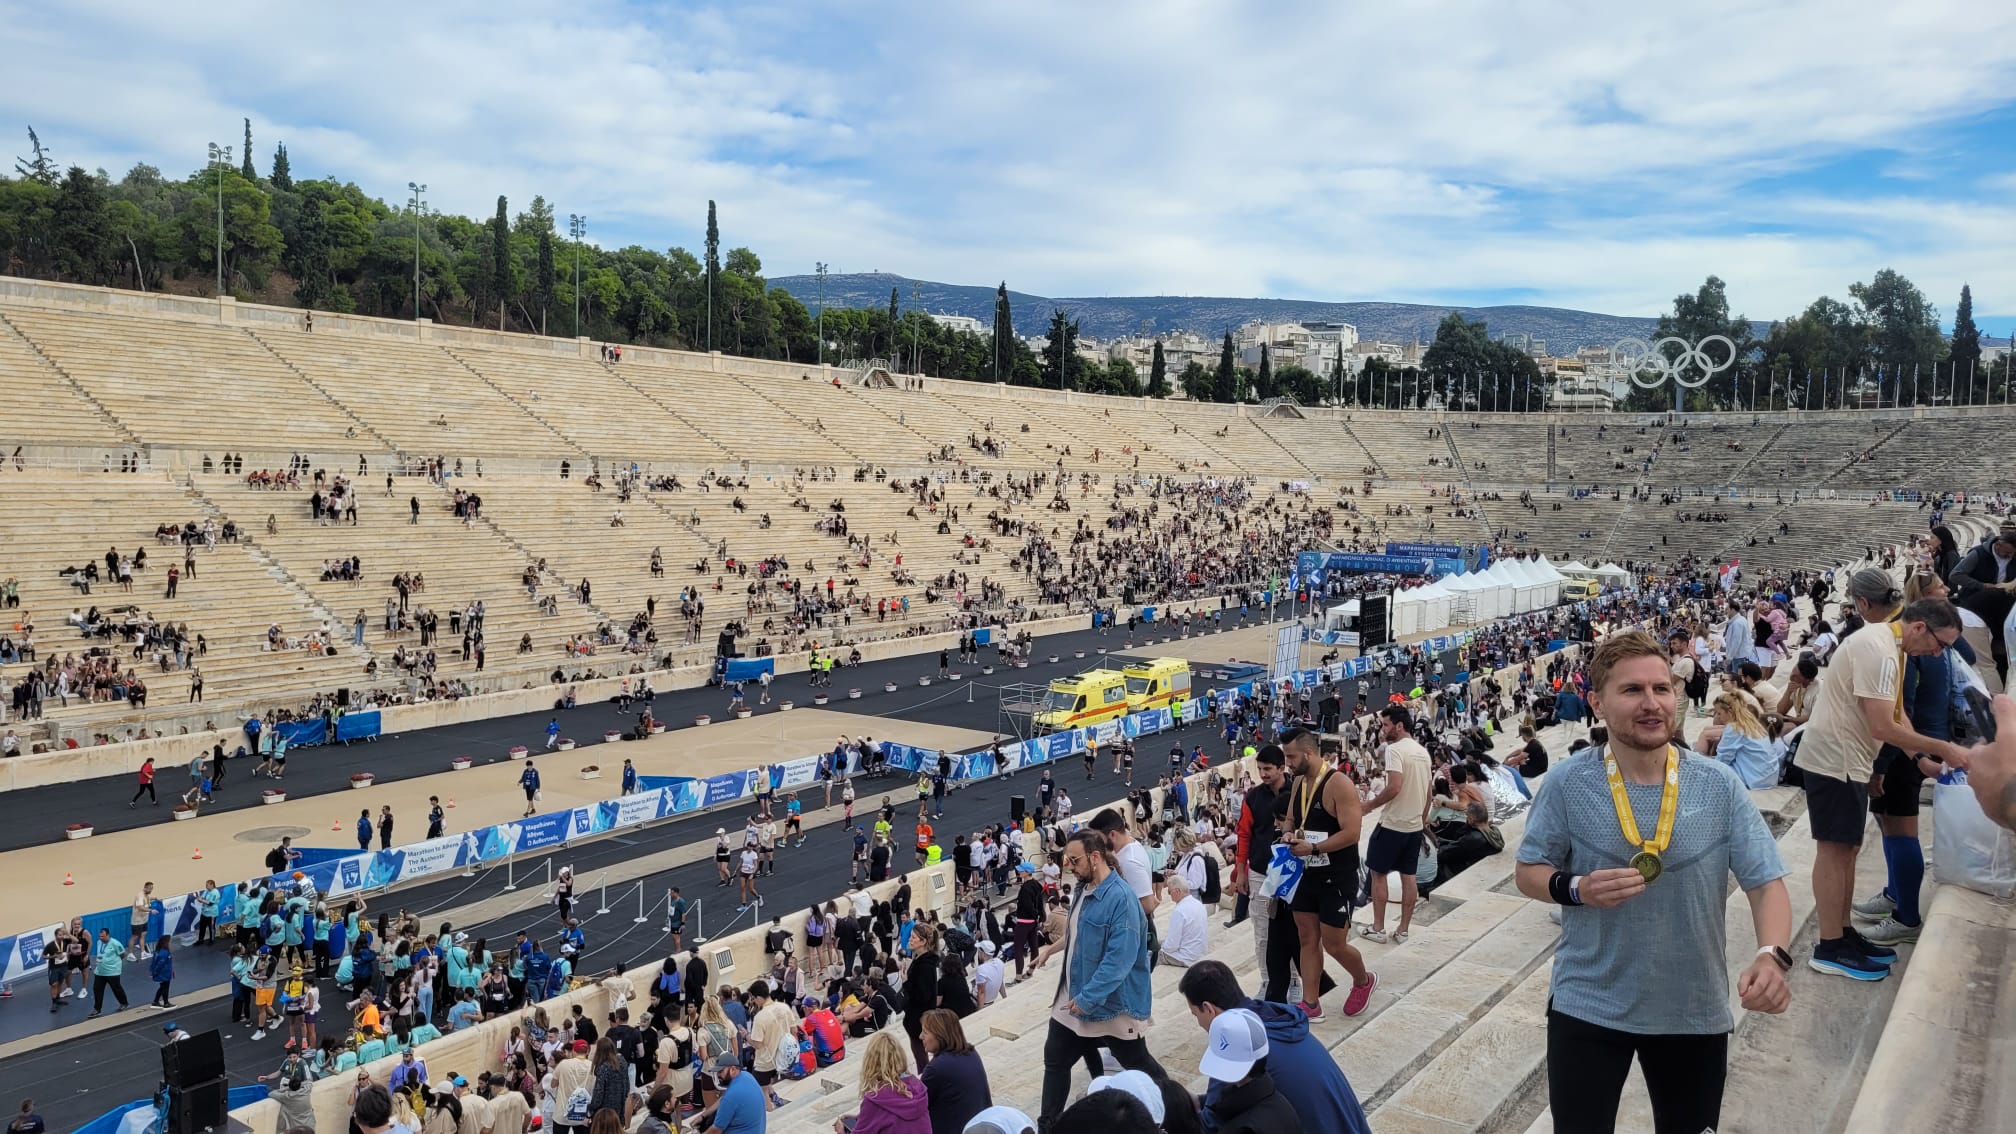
<point>955,1081</point>
<point>1741,740</point>
<point>611,1084</point>
<point>892,1099</point>
<point>715,1038</point>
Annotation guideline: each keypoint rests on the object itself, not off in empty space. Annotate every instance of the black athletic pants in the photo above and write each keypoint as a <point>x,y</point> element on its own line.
<point>1587,1064</point>
<point>1064,1048</point>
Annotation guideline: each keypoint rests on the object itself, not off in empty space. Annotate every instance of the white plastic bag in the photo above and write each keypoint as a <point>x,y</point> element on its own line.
<point>1284,874</point>
<point>1968,849</point>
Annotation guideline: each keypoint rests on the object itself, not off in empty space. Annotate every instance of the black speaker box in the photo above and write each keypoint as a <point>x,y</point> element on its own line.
<point>198,1059</point>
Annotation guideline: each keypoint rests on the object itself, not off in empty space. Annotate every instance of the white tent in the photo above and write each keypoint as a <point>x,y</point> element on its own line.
<point>1550,580</point>
<point>1537,589</point>
<point>1576,569</point>
<point>1435,614</point>
<point>1407,609</point>
<point>1339,617</point>
<point>1613,575</point>
<point>1488,598</point>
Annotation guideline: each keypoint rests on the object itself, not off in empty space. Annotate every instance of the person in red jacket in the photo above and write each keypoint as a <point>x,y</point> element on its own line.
<point>146,785</point>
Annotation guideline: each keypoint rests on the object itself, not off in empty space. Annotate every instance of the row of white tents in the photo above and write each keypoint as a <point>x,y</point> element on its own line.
<point>1509,586</point>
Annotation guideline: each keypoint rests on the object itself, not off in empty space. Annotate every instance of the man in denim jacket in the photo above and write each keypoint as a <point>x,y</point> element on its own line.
<point>1105,996</point>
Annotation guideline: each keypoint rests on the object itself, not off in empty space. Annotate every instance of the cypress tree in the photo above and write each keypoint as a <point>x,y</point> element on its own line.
<point>713,269</point>
<point>1004,333</point>
<point>283,178</point>
<point>1226,386</point>
<point>245,169</point>
<point>1158,374</point>
<point>500,258</point>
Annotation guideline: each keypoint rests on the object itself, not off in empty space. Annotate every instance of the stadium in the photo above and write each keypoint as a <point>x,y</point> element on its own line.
<point>1227,569</point>
<point>578,498</point>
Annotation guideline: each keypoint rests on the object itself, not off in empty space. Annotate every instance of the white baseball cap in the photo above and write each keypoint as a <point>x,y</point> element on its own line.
<point>1138,1084</point>
<point>1238,1040</point>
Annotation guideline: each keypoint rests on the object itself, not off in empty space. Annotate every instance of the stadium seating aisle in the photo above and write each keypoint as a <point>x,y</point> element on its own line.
<point>597,409</point>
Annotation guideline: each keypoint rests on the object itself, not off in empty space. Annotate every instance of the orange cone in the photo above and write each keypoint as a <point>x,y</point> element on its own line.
<point>68,881</point>
<point>336,826</point>
<point>198,856</point>
<point>451,801</point>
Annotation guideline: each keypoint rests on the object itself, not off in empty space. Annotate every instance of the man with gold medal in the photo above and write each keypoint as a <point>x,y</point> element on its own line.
<point>1637,842</point>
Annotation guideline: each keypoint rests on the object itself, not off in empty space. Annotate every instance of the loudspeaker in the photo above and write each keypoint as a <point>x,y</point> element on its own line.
<point>1018,806</point>
<point>198,1059</point>
<point>343,697</point>
<point>1373,628</point>
<point>724,646</point>
<point>205,1106</point>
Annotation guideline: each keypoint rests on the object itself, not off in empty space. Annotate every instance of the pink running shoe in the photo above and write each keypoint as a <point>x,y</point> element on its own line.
<point>1313,1011</point>
<point>1361,995</point>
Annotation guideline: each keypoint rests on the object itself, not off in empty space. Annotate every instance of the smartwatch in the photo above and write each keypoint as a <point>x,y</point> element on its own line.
<point>1777,953</point>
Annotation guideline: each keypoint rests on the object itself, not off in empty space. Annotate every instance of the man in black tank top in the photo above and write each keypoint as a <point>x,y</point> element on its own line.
<point>1322,830</point>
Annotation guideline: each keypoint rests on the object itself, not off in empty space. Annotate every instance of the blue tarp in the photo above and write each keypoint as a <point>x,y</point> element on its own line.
<point>745,669</point>
<point>112,1121</point>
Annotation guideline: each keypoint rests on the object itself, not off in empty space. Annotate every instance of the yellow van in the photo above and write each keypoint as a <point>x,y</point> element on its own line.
<point>1575,590</point>
<point>1160,683</point>
<point>1086,699</point>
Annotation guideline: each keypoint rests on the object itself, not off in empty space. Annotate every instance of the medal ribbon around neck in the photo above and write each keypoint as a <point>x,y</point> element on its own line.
<point>1646,861</point>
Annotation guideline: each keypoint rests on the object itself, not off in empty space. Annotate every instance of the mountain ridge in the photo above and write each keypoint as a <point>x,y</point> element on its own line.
<point>1564,330</point>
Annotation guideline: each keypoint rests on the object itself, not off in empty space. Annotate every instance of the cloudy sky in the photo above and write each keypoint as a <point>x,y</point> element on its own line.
<point>1585,154</point>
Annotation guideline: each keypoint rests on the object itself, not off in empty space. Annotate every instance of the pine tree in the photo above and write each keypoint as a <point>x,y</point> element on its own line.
<point>1263,386</point>
<point>713,267</point>
<point>310,252</point>
<point>283,178</point>
<point>1004,333</point>
<point>1965,351</point>
<point>245,169</point>
<point>546,279</point>
<point>1158,374</point>
<point>500,258</point>
<point>41,168</point>
<point>1226,386</point>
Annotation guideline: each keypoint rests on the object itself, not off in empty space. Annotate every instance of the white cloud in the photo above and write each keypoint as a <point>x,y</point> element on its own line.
<point>1599,155</point>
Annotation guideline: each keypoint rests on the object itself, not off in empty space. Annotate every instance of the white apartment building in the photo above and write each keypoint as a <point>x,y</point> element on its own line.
<point>958,323</point>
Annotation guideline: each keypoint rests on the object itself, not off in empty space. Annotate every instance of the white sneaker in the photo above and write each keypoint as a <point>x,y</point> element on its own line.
<point>259,1035</point>
<point>67,994</point>
<point>1890,931</point>
<point>1877,908</point>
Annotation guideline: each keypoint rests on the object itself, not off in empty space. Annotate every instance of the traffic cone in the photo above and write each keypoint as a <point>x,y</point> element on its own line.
<point>336,826</point>
<point>451,801</point>
<point>68,881</point>
<point>198,856</point>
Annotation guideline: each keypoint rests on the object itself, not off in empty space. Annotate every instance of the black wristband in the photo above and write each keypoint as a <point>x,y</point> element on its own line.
<point>1557,889</point>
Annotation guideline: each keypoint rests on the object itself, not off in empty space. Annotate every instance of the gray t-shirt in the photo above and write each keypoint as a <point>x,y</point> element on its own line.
<point>1656,964</point>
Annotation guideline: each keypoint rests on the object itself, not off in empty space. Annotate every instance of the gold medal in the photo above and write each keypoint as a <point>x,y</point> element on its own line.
<point>1647,862</point>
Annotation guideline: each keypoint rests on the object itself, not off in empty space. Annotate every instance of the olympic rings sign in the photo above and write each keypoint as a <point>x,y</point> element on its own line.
<point>1650,367</point>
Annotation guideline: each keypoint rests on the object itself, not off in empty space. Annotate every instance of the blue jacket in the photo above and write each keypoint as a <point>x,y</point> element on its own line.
<point>1304,1074</point>
<point>161,967</point>
<point>1108,976</point>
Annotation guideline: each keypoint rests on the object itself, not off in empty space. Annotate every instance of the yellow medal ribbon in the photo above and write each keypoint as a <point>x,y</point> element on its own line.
<point>1646,861</point>
<point>1897,634</point>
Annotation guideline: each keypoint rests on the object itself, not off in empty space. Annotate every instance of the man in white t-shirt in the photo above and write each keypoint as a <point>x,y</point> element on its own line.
<point>1189,936</point>
<point>1133,860</point>
<point>1396,838</point>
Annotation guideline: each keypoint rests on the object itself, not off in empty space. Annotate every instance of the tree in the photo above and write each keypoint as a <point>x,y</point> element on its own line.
<point>713,264</point>
<point>1903,331</point>
<point>500,258</point>
<point>1695,318</point>
<point>1300,383</point>
<point>1060,348</point>
<point>1337,372</point>
<point>1158,374</point>
<point>283,178</point>
<point>40,168</point>
<point>547,278</point>
<point>1004,331</point>
<point>308,253</point>
<point>1964,352</point>
<point>245,169</point>
<point>1197,383</point>
<point>1226,386</point>
<point>1263,384</point>
<point>80,230</point>
<point>1813,349</point>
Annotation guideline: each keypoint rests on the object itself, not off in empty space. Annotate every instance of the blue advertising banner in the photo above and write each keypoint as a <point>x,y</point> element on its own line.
<point>1432,550</point>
